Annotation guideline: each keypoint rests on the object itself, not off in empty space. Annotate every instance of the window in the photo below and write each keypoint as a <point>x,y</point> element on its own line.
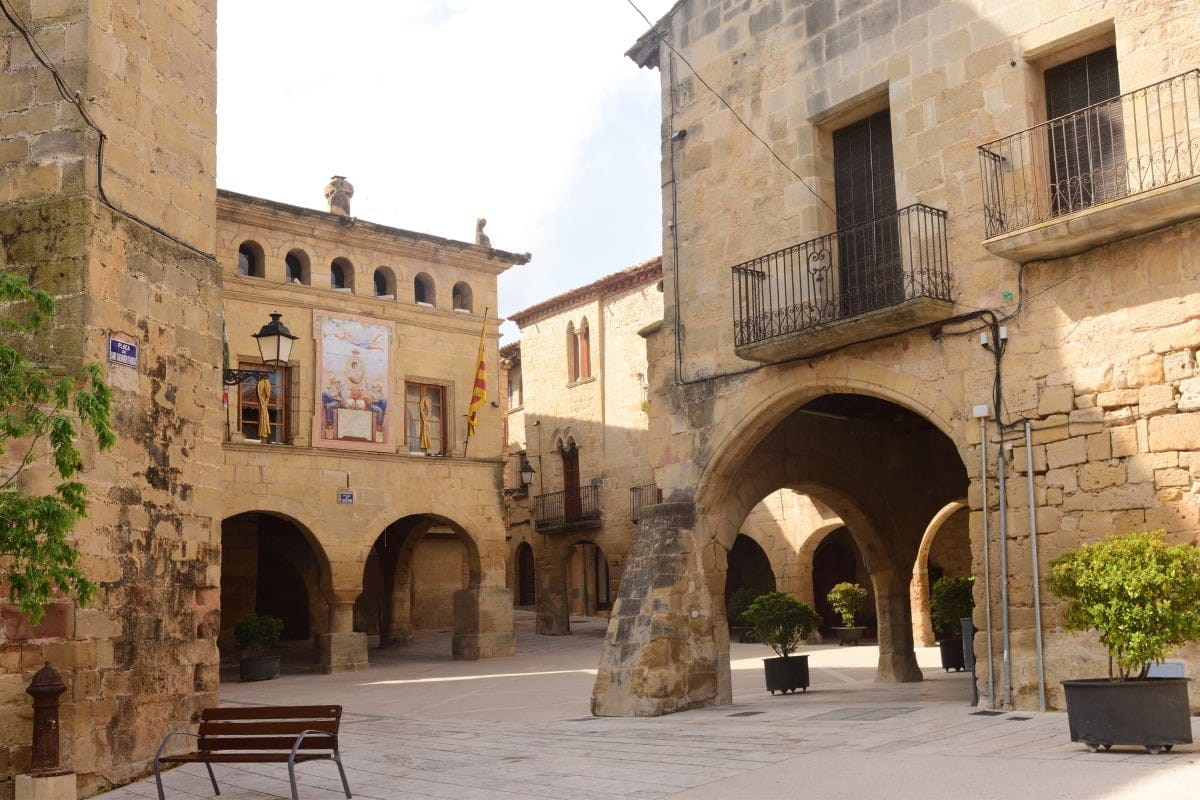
<point>515,393</point>
<point>250,260</point>
<point>461,297</point>
<point>385,283</point>
<point>423,289</point>
<point>425,418</point>
<point>341,275</point>
<point>579,358</point>
<point>296,266</point>
<point>869,264</point>
<point>572,500</point>
<point>275,397</point>
<point>1086,146</point>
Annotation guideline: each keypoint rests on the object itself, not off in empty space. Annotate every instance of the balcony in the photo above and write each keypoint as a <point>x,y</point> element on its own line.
<point>640,497</point>
<point>878,278</point>
<point>572,509</point>
<point>1113,170</point>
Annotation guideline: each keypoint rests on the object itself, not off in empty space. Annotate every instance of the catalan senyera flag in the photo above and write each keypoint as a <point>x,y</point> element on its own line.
<point>479,393</point>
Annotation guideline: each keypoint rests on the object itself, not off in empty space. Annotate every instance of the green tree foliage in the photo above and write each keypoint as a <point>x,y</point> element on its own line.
<point>1138,591</point>
<point>950,600</point>
<point>39,414</point>
<point>781,621</point>
<point>847,600</point>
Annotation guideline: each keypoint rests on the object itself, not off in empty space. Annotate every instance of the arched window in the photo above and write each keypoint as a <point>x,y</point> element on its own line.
<point>572,353</point>
<point>583,342</point>
<point>461,297</point>
<point>423,290</point>
<point>341,275</point>
<point>385,284</point>
<point>296,266</point>
<point>250,260</point>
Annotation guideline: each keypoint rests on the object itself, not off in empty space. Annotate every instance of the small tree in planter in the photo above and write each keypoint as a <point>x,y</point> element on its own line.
<point>782,622</point>
<point>847,600</point>
<point>950,600</point>
<point>253,635</point>
<point>1141,594</point>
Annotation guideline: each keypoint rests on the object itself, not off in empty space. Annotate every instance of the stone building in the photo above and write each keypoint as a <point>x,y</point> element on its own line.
<point>363,511</point>
<point>918,256</point>
<point>333,510</point>
<point>107,198</point>
<point>578,416</point>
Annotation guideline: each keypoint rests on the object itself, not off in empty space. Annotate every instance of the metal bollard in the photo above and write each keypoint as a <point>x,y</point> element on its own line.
<point>46,687</point>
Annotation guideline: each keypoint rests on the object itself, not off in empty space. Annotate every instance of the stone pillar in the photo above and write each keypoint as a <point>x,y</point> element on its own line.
<point>342,649</point>
<point>553,613</point>
<point>660,653</point>
<point>483,623</point>
<point>897,660</point>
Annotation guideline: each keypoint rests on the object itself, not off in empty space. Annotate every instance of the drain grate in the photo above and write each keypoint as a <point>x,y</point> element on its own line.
<point>986,713</point>
<point>864,714</point>
<point>744,714</point>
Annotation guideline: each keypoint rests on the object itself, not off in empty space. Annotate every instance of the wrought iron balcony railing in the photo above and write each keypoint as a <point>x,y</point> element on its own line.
<point>848,273</point>
<point>569,507</point>
<point>640,497</point>
<point>1131,144</point>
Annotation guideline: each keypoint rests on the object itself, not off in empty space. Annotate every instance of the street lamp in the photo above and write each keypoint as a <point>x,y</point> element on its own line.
<point>526,473</point>
<point>274,348</point>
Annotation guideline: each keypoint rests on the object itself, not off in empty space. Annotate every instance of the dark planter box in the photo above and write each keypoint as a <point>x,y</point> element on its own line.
<point>849,636</point>
<point>260,669</point>
<point>953,657</point>
<point>786,674</point>
<point>1152,713</point>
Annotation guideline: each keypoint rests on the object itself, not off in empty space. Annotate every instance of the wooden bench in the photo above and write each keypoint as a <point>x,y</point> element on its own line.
<point>260,734</point>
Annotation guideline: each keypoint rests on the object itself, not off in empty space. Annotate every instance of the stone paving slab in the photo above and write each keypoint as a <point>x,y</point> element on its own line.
<point>418,725</point>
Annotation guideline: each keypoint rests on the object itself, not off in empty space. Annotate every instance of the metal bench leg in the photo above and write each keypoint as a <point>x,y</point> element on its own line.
<point>211,777</point>
<point>292,776</point>
<point>158,779</point>
<point>337,759</point>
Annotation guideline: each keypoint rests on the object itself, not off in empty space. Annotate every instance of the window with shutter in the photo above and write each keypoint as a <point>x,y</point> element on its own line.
<point>274,398</point>
<point>1086,140</point>
<point>869,265</point>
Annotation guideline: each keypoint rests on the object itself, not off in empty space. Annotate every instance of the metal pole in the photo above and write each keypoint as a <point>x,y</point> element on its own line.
<point>1033,551</point>
<point>987,564</point>
<point>1003,511</point>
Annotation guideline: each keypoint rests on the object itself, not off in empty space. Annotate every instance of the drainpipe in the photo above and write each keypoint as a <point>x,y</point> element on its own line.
<point>1003,511</point>
<point>1033,550</point>
<point>987,563</point>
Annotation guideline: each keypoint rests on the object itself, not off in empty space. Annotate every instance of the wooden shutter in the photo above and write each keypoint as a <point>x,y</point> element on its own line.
<point>869,267</point>
<point>1085,133</point>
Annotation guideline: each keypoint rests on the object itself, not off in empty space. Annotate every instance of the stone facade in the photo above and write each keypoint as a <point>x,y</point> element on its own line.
<point>358,528</point>
<point>1088,316</point>
<point>124,237</point>
<point>581,424</point>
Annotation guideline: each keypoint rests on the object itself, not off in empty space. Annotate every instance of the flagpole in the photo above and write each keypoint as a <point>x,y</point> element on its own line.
<point>479,389</point>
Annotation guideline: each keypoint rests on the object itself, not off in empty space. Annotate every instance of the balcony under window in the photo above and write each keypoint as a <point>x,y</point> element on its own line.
<point>1110,171</point>
<point>571,509</point>
<point>881,277</point>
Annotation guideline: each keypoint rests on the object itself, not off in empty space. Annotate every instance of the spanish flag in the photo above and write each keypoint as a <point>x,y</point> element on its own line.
<point>479,393</point>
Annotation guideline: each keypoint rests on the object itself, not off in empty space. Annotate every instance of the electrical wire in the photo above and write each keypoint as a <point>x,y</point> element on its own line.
<point>75,98</point>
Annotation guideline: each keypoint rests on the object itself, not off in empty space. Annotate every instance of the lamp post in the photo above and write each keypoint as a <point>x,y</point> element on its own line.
<point>526,474</point>
<point>274,348</point>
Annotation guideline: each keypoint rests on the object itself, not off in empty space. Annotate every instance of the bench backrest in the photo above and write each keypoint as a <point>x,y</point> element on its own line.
<point>266,728</point>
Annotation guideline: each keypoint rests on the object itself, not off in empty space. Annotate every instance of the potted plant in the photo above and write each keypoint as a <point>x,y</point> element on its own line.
<point>950,601</point>
<point>253,635</point>
<point>782,622</point>
<point>1141,594</point>
<point>847,601</point>
<point>739,627</point>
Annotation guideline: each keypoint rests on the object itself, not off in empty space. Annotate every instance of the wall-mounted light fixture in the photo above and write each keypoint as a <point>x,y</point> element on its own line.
<point>274,348</point>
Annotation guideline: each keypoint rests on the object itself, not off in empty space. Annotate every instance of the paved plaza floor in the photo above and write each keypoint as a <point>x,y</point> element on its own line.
<point>420,725</point>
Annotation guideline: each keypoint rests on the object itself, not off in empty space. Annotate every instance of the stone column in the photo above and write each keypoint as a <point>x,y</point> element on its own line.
<point>342,649</point>
<point>660,653</point>
<point>897,660</point>
<point>553,613</point>
<point>483,623</point>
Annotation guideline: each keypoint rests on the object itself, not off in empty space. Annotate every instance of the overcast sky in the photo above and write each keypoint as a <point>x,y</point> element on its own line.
<point>526,112</point>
